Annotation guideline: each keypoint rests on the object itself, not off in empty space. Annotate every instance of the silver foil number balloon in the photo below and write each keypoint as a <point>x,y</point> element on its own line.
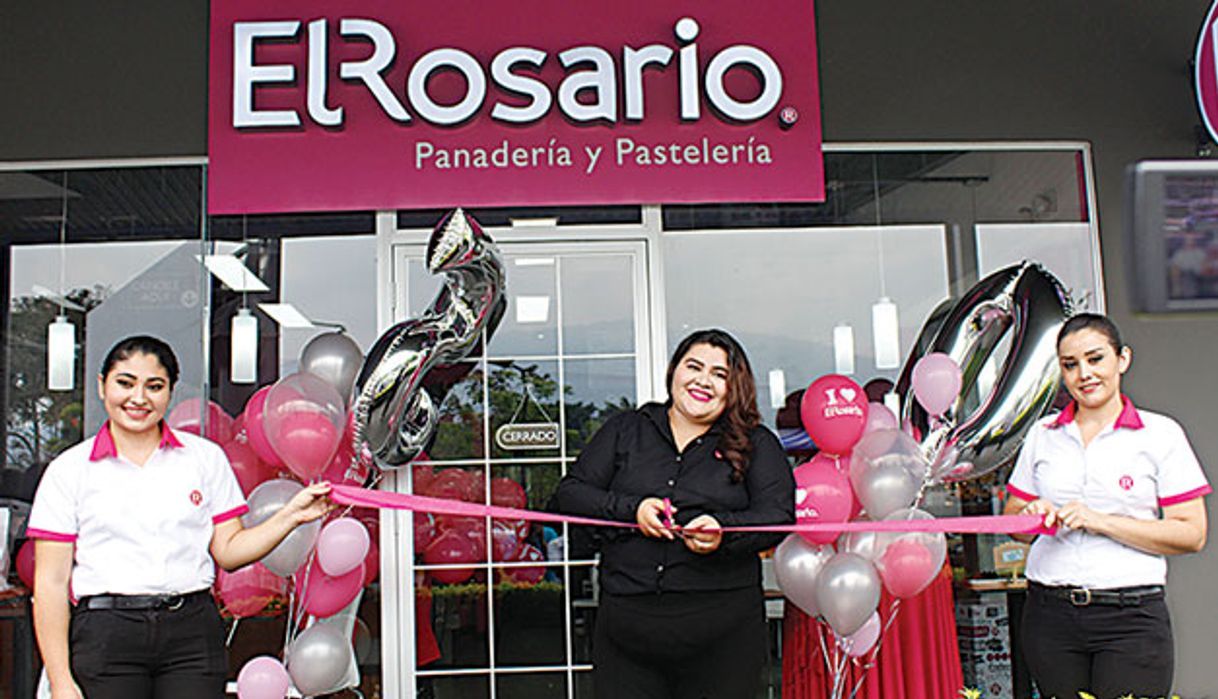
<point>414,364</point>
<point>983,430</point>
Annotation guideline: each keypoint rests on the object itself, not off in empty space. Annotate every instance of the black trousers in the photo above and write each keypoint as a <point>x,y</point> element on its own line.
<point>155,653</point>
<point>685,645</point>
<point>1109,651</point>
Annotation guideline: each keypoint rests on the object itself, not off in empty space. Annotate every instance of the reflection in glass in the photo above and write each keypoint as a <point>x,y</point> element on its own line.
<point>454,618</point>
<point>531,484</point>
<point>597,310</point>
<point>529,617</point>
<point>582,581</point>
<point>784,304</point>
<point>459,433</point>
<point>524,393</point>
<point>530,326</point>
<point>541,685</point>
<point>597,389</point>
<point>460,687</point>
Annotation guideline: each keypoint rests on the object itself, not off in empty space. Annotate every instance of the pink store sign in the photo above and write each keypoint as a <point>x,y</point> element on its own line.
<point>342,105</point>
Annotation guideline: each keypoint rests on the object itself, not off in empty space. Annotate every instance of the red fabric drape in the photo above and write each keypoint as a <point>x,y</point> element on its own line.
<point>919,657</point>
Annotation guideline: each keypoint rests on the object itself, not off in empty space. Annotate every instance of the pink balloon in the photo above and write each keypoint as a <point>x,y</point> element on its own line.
<point>822,494</point>
<point>304,419</point>
<point>858,643</point>
<point>254,430</point>
<point>506,492</point>
<point>25,564</point>
<point>248,590</point>
<point>185,416</point>
<point>834,413</point>
<point>505,542</point>
<point>421,477</point>
<point>340,469</point>
<point>906,567</point>
<point>451,547</point>
<point>527,575</point>
<point>342,546</point>
<point>372,563</point>
<point>424,530</point>
<point>324,595</point>
<point>263,677</point>
<point>936,382</point>
<point>249,469</point>
<point>879,417</point>
<point>306,442</point>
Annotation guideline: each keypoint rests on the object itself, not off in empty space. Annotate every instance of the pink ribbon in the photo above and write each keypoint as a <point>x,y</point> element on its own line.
<point>1001,524</point>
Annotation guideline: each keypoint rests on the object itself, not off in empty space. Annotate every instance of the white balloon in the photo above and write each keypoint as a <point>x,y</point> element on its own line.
<point>318,659</point>
<point>264,501</point>
<point>335,358</point>
<point>796,565</point>
<point>847,592</point>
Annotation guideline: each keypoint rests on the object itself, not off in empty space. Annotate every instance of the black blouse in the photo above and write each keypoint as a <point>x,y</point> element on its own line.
<point>633,457</point>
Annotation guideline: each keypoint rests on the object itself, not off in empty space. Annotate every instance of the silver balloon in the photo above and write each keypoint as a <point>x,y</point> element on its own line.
<point>865,544</point>
<point>318,659</point>
<point>264,501</point>
<point>886,470</point>
<point>796,565</point>
<point>985,427</point>
<point>335,358</point>
<point>847,592</point>
<point>414,364</point>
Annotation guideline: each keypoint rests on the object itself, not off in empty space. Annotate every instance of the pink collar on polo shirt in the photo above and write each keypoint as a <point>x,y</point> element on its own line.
<point>1128,419</point>
<point>103,445</point>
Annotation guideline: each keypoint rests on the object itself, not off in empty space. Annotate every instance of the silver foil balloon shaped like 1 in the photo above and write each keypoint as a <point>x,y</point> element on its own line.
<point>985,427</point>
<point>413,364</point>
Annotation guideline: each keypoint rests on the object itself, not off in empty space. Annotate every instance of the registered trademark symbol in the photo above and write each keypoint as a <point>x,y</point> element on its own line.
<point>787,117</point>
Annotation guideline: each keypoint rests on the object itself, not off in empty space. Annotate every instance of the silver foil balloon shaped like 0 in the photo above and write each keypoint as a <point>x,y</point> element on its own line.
<point>413,364</point>
<point>985,427</point>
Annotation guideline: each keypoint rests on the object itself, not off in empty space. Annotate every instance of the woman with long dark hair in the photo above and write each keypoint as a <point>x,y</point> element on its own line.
<point>1124,489</point>
<point>133,522</point>
<point>681,609</point>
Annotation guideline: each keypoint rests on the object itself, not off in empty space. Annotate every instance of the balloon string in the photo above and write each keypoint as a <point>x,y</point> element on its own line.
<point>873,656</point>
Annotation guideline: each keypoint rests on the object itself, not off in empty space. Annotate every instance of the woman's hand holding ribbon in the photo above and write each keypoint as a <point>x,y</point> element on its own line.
<point>703,534</point>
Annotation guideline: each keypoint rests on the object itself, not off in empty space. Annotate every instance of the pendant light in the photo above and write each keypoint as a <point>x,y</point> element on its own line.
<point>243,335</point>
<point>61,333</point>
<point>885,325</point>
<point>843,348</point>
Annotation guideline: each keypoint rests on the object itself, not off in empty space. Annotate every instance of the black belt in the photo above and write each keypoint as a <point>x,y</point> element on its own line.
<point>140,602</point>
<point>1117,596</point>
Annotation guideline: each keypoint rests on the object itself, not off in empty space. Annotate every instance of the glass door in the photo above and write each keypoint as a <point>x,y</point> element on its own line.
<point>505,608</point>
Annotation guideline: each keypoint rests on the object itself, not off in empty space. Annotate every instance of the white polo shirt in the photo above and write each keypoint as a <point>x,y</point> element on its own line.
<point>137,529</point>
<point>1140,463</point>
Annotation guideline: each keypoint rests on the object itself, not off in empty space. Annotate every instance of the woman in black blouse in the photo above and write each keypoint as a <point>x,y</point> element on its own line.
<point>681,609</point>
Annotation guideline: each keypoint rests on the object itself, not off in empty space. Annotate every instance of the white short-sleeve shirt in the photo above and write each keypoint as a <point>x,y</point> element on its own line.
<point>1139,464</point>
<point>137,529</point>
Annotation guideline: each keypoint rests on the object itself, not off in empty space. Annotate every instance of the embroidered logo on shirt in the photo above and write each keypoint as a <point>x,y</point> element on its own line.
<point>196,498</point>
<point>1126,482</point>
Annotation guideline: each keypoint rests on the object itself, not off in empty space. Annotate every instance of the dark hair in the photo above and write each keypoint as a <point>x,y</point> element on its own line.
<point>740,416</point>
<point>142,344</point>
<point>1092,321</point>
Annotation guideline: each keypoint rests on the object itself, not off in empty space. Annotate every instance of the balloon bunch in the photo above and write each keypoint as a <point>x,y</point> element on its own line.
<point>301,423</point>
<point>449,540</point>
<point>953,427</point>
<point>867,469</point>
<point>295,431</point>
